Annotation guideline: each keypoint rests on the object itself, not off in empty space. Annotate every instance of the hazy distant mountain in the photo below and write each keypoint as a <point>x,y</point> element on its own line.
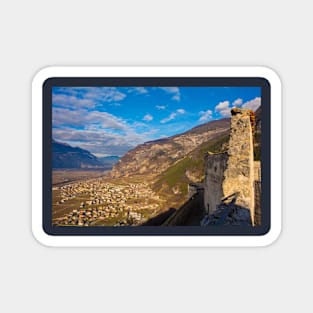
<point>65,156</point>
<point>109,160</point>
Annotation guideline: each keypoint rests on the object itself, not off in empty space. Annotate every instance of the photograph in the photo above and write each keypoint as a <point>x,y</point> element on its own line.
<point>156,156</point>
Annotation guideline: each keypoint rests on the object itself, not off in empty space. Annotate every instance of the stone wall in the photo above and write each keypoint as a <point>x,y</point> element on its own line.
<point>193,188</point>
<point>257,203</point>
<point>257,193</point>
<point>214,177</point>
<point>229,177</point>
<point>239,175</point>
<point>257,170</point>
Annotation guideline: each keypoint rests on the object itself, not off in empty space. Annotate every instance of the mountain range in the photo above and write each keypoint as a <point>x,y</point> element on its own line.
<point>66,156</point>
<point>109,160</point>
<point>174,162</point>
<point>154,157</point>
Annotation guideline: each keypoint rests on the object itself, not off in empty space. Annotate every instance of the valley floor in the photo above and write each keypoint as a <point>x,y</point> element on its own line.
<point>91,198</point>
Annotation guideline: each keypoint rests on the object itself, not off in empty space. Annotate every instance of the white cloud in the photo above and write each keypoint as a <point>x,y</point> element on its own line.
<point>237,102</point>
<point>97,132</point>
<point>205,115</point>
<point>85,97</point>
<point>82,118</point>
<point>223,109</point>
<point>169,118</point>
<point>138,90</point>
<point>173,115</point>
<point>222,106</point>
<point>152,131</point>
<point>160,107</point>
<point>139,124</point>
<point>170,89</point>
<point>174,91</point>
<point>96,142</point>
<point>71,101</point>
<point>148,117</point>
<point>252,104</point>
<point>104,94</point>
<point>176,97</point>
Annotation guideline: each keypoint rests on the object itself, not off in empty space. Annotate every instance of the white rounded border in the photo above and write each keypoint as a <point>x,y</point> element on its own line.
<point>157,241</point>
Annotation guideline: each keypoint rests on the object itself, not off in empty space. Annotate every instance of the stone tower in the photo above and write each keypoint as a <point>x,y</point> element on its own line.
<point>239,174</point>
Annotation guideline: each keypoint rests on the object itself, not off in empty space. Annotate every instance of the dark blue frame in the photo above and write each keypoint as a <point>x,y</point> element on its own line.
<point>157,230</point>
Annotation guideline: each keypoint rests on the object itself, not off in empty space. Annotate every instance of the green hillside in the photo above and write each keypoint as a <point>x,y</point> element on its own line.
<point>173,183</point>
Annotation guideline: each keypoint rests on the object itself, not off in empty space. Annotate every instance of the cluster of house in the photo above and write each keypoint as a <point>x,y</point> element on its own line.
<point>103,201</point>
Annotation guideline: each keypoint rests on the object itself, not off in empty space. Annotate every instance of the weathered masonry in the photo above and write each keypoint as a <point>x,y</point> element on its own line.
<point>214,176</point>
<point>231,177</point>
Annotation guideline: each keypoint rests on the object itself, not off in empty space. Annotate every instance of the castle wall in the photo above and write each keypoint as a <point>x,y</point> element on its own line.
<point>239,175</point>
<point>257,202</point>
<point>214,176</point>
<point>231,176</point>
<point>257,193</point>
<point>193,188</point>
<point>257,170</point>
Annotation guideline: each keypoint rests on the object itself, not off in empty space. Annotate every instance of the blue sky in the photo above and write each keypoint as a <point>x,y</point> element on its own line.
<point>111,121</point>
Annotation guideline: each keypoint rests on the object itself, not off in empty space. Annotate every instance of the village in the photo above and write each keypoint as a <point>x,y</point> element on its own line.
<point>97,202</point>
